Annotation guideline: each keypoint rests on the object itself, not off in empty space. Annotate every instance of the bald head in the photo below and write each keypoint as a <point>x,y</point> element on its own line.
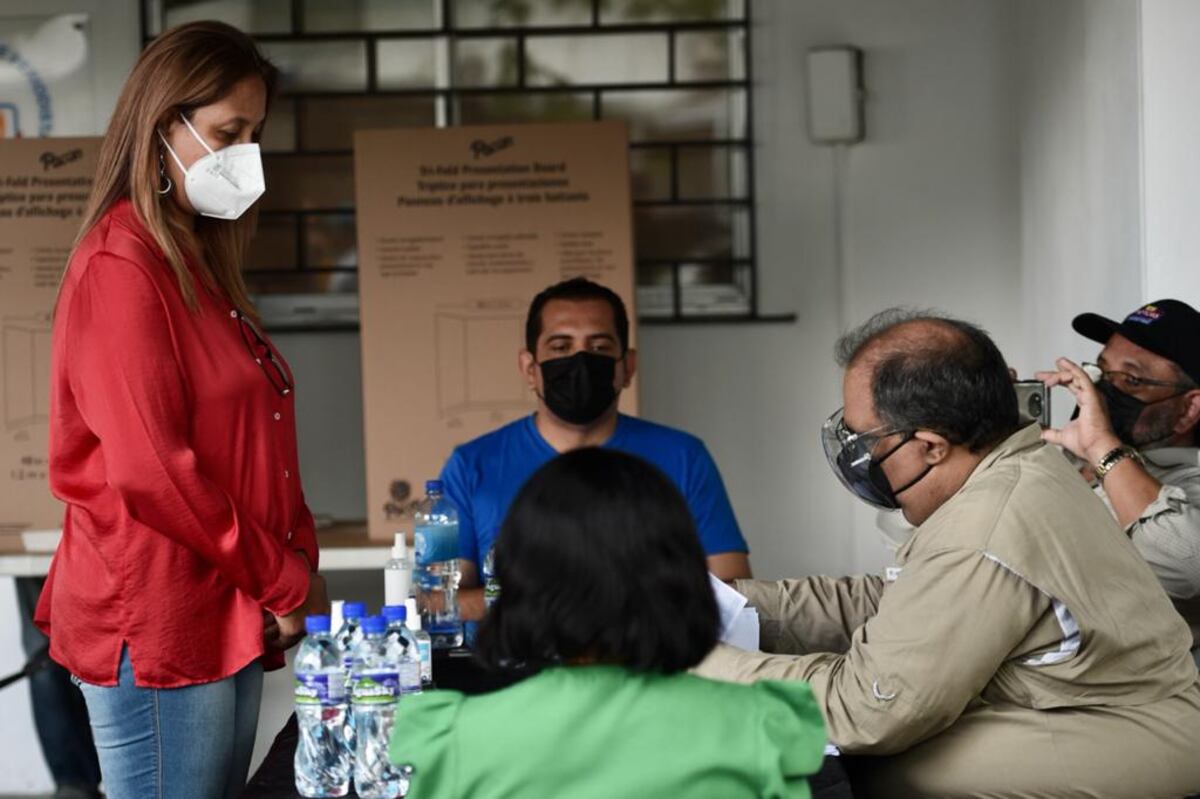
<point>898,330</point>
<point>932,372</point>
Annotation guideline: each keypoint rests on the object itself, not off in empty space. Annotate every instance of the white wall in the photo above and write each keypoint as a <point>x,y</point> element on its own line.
<point>115,41</point>
<point>1170,50</point>
<point>929,218</point>
<point>1081,231</point>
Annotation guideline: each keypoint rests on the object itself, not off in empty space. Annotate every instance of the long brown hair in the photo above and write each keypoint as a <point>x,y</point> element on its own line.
<point>187,67</point>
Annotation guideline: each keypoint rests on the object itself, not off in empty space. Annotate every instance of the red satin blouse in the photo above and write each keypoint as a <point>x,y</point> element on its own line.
<point>175,453</point>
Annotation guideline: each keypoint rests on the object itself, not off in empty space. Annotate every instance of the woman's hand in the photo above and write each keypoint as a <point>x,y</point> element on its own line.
<point>284,632</point>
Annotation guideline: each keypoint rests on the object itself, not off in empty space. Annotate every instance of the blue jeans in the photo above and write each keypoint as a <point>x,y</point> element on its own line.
<point>175,743</point>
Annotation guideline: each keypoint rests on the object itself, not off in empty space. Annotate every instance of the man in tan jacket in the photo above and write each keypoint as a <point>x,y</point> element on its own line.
<point>1023,648</point>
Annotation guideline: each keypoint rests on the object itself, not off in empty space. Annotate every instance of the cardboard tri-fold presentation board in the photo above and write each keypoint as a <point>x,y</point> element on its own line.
<point>44,188</point>
<point>458,229</point>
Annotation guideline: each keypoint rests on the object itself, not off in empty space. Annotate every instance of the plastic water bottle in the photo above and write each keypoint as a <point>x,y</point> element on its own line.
<point>375,690</point>
<point>347,638</point>
<point>424,644</point>
<point>350,633</point>
<point>402,647</point>
<point>322,762</point>
<point>491,586</point>
<point>436,549</point>
<point>397,574</point>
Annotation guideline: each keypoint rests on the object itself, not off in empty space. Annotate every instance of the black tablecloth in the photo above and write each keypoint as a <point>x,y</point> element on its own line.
<point>456,670</point>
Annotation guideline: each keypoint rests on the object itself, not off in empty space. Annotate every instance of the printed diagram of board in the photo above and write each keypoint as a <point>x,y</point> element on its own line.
<point>477,345</point>
<point>25,370</point>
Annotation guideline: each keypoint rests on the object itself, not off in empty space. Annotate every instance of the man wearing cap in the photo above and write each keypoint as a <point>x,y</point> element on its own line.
<point>1137,430</point>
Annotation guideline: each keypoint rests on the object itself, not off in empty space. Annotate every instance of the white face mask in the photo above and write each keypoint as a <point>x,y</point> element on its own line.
<point>223,183</point>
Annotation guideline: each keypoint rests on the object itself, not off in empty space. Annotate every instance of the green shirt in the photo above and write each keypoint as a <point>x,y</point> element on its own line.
<point>603,731</point>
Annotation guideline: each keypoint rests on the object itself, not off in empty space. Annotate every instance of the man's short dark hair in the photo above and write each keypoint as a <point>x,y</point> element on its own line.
<point>576,289</point>
<point>598,559</point>
<point>934,372</point>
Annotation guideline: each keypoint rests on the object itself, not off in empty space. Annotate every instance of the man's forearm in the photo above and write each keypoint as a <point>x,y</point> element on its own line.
<point>471,605</point>
<point>1130,490</point>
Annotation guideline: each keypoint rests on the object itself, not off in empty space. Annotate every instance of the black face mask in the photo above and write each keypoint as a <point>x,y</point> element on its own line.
<point>579,388</point>
<point>1124,411</point>
<point>850,456</point>
<point>872,486</point>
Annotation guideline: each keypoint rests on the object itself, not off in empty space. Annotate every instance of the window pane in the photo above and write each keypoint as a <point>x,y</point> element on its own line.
<point>329,123</point>
<point>679,114</point>
<point>330,241</point>
<point>509,108</point>
<point>251,16</point>
<point>302,282</point>
<point>279,133</point>
<point>589,60</point>
<point>654,274</point>
<point>320,66</point>
<point>655,290</point>
<point>714,289</point>
<point>485,62</point>
<point>406,63</point>
<point>690,232</point>
<point>369,15</point>
<point>516,13</point>
<point>274,245</point>
<point>617,11</point>
<point>308,181</point>
<point>650,172</point>
<point>710,55</point>
<point>712,173</point>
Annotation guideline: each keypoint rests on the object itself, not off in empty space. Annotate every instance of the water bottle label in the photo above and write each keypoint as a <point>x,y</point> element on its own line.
<point>410,678</point>
<point>320,689</point>
<point>376,688</point>
<point>435,543</point>
<point>426,651</point>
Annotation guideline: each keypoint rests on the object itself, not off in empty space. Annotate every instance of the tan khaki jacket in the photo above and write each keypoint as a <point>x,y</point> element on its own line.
<point>1020,594</point>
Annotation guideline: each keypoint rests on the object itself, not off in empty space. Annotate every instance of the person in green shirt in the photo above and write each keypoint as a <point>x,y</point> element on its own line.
<point>605,603</point>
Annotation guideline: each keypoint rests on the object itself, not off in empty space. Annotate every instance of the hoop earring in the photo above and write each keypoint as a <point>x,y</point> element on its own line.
<point>163,176</point>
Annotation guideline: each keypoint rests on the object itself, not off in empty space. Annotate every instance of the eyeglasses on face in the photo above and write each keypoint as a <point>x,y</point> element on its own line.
<point>836,436</point>
<point>1126,382</point>
<point>264,355</point>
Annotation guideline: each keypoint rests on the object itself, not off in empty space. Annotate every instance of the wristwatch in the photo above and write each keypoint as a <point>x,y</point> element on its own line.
<point>1115,456</point>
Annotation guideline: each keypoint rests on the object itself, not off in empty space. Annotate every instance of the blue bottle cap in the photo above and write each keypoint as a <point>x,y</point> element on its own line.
<point>433,486</point>
<point>374,625</point>
<point>354,610</point>
<point>316,624</point>
<point>393,613</point>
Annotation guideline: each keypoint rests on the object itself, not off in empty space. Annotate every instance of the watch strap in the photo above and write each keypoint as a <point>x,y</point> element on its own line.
<point>1115,456</point>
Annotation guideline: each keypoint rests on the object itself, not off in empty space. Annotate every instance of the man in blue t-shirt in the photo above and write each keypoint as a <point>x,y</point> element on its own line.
<point>577,360</point>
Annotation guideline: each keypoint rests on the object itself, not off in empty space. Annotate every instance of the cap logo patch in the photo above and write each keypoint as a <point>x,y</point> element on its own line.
<point>1146,315</point>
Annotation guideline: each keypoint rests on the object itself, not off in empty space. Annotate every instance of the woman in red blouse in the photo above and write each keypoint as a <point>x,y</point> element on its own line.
<point>188,556</point>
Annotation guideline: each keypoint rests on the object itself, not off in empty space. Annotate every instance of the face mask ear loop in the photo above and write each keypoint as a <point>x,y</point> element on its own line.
<point>220,162</point>
<point>178,163</point>
<point>197,136</point>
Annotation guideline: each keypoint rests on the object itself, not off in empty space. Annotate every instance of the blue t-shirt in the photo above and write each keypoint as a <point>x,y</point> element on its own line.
<point>482,479</point>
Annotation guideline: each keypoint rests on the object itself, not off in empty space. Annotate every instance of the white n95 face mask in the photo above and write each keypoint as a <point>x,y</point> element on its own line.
<point>223,183</point>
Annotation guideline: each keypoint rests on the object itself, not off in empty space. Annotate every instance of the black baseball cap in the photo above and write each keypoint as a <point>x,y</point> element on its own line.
<point>1168,328</point>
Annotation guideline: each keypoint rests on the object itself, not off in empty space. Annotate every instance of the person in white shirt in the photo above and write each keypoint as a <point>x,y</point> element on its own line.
<point>1137,429</point>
